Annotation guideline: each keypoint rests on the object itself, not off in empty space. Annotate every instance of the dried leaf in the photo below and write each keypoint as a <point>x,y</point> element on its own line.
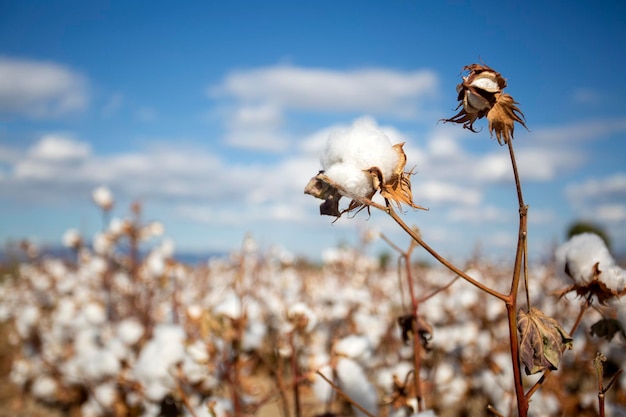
<point>318,188</point>
<point>409,325</point>
<point>607,328</point>
<point>542,341</point>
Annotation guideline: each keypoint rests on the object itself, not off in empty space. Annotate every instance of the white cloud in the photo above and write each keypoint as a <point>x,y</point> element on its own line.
<point>40,89</point>
<point>58,147</point>
<point>583,131</point>
<point>254,102</point>
<point>317,89</point>
<point>442,192</point>
<point>611,187</point>
<point>479,215</point>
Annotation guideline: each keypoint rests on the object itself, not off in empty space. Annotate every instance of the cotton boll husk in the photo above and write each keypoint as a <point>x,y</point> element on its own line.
<point>353,381</point>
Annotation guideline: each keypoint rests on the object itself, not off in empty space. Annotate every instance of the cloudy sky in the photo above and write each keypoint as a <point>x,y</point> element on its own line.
<point>214,116</point>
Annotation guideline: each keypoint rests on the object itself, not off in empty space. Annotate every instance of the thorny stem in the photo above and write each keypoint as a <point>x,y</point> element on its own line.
<point>583,309</point>
<point>511,299</point>
<point>345,396</point>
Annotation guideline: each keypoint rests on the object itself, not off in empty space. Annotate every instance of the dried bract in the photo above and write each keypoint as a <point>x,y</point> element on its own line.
<point>479,95</point>
<point>542,340</point>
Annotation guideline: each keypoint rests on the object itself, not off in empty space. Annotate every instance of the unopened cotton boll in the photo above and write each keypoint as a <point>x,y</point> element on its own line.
<point>349,152</point>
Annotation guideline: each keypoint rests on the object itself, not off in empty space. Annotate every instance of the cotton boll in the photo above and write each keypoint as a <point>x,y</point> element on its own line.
<point>44,387</point>
<point>353,381</point>
<point>358,148</point>
<point>94,313</point>
<point>353,346</point>
<point>103,197</point>
<point>26,320</point>
<point>254,335</point>
<point>155,360</point>
<point>230,306</point>
<point>300,313</point>
<point>130,331</point>
<point>105,394</point>
<point>579,255</point>
<point>321,388</point>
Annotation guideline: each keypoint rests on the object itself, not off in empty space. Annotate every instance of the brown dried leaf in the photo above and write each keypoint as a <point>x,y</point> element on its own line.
<point>607,328</point>
<point>542,341</point>
<point>502,118</point>
<point>319,188</point>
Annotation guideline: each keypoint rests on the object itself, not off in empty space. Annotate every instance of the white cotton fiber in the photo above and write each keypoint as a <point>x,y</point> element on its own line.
<point>155,362</point>
<point>353,381</point>
<point>579,255</point>
<point>349,152</point>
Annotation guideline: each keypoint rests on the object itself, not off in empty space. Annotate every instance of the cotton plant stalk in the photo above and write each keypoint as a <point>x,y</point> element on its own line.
<point>361,162</point>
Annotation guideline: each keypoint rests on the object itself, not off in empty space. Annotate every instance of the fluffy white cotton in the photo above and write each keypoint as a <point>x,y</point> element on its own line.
<point>353,381</point>
<point>578,256</point>
<point>349,152</point>
<point>44,387</point>
<point>130,331</point>
<point>353,346</point>
<point>155,362</point>
<point>103,197</point>
<point>301,311</point>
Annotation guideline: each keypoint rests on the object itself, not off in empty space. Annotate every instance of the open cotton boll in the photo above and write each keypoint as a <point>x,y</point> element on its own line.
<point>44,387</point>
<point>130,331</point>
<point>579,255</point>
<point>353,346</point>
<point>353,381</point>
<point>349,152</point>
<point>153,366</point>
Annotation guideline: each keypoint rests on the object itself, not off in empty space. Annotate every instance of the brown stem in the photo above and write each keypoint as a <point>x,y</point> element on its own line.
<point>294,372</point>
<point>417,351</point>
<point>511,299</point>
<point>598,362</point>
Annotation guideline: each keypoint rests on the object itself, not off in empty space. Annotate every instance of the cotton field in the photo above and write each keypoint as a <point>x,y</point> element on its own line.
<point>123,331</point>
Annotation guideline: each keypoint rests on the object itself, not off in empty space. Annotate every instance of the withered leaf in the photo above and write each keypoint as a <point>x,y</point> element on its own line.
<point>408,325</point>
<point>607,328</point>
<point>318,188</point>
<point>542,341</point>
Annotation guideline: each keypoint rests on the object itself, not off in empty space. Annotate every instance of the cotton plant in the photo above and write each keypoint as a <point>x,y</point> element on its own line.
<point>360,163</point>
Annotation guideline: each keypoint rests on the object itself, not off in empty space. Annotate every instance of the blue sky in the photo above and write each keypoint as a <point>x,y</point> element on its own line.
<point>214,116</point>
